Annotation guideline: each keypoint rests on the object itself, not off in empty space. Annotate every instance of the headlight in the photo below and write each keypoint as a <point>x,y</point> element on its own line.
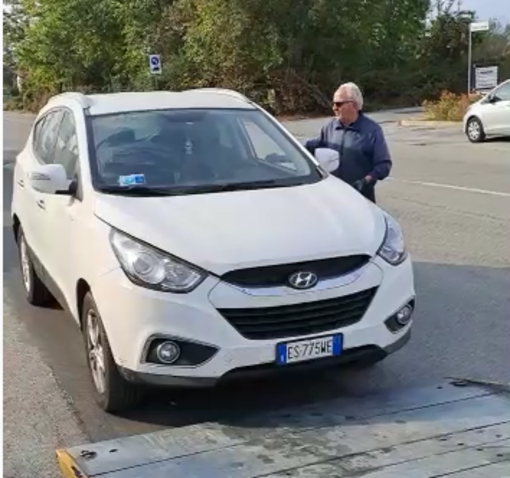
<point>150,268</point>
<point>393,249</point>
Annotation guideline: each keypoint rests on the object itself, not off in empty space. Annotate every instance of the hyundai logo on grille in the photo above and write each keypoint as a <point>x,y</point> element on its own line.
<point>303,280</point>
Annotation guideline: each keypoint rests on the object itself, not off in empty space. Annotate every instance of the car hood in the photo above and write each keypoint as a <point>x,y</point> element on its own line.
<point>230,230</point>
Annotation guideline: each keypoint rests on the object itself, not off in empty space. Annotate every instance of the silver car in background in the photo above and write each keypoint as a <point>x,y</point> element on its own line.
<point>489,116</point>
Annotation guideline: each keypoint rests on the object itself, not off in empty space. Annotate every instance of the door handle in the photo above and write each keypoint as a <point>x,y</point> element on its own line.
<point>41,203</point>
<point>21,183</point>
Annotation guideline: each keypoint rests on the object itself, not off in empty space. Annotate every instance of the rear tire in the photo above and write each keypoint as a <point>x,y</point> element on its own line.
<point>474,130</point>
<point>36,292</point>
<point>112,392</point>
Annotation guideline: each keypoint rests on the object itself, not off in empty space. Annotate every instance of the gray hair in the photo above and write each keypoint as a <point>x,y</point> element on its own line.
<point>354,92</point>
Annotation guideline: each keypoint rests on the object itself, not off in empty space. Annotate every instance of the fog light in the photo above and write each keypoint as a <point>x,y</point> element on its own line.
<point>168,352</point>
<point>403,316</point>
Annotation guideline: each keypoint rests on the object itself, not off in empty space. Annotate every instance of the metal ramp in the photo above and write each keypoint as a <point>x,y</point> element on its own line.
<point>432,432</point>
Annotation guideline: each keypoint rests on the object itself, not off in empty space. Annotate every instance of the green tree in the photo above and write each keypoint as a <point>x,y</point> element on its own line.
<point>288,54</point>
<point>68,44</point>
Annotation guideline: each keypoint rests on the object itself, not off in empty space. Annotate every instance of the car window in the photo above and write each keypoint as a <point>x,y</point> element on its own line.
<point>37,136</point>
<point>44,142</point>
<point>227,135</point>
<point>503,92</point>
<point>195,148</point>
<point>66,148</point>
<point>265,147</point>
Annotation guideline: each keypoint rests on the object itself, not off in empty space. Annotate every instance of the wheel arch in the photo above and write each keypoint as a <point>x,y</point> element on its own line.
<point>16,224</point>
<point>82,288</point>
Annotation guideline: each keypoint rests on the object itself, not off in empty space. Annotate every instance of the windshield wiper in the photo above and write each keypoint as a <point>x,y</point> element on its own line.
<point>269,183</point>
<point>136,190</point>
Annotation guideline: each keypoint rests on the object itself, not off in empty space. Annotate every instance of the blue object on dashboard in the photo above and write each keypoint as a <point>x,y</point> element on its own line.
<point>132,179</point>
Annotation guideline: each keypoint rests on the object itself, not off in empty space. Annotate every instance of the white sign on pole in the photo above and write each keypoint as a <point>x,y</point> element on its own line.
<point>486,78</point>
<point>479,26</point>
<point>155,64</point>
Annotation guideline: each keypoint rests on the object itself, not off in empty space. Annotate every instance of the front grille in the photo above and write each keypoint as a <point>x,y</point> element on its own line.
<point>277,275</point>
<point>264,323</point>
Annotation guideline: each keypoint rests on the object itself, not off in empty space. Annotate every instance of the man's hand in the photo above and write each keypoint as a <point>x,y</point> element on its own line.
<point>361,183</point>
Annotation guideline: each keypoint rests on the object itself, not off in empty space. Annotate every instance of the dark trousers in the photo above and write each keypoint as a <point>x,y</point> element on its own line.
<point>369,192</point>
<point>370,195</point>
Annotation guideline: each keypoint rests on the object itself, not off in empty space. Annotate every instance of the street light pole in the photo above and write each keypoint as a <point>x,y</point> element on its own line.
<point>470,47</point>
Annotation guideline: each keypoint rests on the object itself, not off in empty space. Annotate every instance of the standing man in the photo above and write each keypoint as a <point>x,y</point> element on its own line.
<point>364,155</point>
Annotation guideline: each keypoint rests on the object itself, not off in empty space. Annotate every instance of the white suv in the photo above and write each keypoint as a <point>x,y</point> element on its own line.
<point>194,239</point>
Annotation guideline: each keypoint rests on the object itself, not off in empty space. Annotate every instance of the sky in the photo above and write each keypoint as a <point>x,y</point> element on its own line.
<point>488,9</point>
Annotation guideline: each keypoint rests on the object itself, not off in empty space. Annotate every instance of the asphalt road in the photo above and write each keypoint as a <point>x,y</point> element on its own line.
<point>453,200</point>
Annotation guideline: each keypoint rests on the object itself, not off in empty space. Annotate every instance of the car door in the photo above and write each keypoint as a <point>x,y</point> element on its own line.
<point>34,214</point>
<point>22,199</point>
<point>62,211</point>
<point>498,111</point>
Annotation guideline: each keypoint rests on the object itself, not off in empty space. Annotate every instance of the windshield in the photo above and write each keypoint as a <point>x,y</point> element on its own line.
<point>194,151</point>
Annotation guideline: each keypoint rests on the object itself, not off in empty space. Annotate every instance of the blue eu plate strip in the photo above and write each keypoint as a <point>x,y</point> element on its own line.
<point>281,354</point>
<point>337,345</point>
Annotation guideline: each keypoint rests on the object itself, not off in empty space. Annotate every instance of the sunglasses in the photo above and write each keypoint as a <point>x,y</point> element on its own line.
<point>339,104</point>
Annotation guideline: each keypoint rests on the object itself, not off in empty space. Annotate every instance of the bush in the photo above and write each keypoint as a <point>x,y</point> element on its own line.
<point>449,106</point>
<point>13,103</point>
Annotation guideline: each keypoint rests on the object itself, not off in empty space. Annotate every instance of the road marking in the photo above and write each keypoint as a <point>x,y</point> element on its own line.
<point>457,188</point>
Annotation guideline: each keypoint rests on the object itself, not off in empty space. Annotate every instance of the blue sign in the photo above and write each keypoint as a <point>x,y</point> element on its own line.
<point>155,64</point>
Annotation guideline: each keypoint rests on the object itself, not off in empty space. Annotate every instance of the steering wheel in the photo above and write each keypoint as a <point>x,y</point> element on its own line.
<point>122,136</point>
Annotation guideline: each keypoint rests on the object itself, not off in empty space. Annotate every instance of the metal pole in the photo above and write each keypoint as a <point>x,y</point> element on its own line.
<point>469,60</point>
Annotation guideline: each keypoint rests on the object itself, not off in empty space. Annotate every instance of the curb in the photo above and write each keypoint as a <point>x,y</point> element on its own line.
<point>20,113</point>
<point>429,123</point>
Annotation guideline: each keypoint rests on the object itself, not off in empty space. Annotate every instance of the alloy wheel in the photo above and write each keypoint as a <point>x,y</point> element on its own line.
<point>25,264</point>
<point>474,130</point>
<point>96,352</point>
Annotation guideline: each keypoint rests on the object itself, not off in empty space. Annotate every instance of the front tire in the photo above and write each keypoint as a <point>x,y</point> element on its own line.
<point>36,292</point>
<point>474,130</point>
<point>112,392</point>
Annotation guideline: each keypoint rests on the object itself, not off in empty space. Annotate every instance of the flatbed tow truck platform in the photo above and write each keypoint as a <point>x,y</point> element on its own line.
<point>451,429</point>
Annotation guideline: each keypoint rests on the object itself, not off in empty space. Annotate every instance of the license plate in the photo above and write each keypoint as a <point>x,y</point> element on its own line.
<point>309,349</point>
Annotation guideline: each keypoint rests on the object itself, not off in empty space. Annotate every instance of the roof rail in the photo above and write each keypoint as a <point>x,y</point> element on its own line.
<point>220,91</point>
<point>81,98</point>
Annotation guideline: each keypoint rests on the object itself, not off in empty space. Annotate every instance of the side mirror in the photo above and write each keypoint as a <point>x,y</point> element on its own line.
<point>49,179</point>
<point>328,158</point>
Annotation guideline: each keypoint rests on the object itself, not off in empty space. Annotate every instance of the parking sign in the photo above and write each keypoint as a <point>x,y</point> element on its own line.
<point>155,64</point>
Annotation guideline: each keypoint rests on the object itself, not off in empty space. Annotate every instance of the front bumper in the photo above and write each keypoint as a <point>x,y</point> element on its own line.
<point>132,316</point>
<point>351,355</point>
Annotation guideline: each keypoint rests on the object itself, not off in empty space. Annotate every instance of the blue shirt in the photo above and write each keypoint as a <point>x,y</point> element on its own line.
<point>361,145</point>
